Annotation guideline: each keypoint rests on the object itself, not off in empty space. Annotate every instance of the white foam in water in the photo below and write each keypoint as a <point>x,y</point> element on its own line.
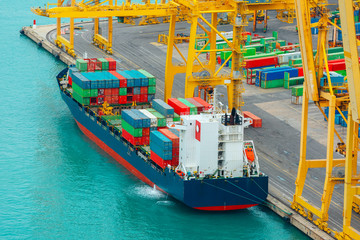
<point>165,203</point>
<point>148,192</point>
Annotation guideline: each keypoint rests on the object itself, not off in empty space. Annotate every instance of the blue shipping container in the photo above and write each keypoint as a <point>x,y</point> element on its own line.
<point>136,91</point>
<point>80,80</point>
<point>161,140</point>
<point>129,79</point>
<point>151,97</point>
<point>274,75</point>
<point>164,154</point>
<point>137,81</point>
<point>130,117</point>
<point>163,108</point>
<point>145,120</point>
<point>143,78</point>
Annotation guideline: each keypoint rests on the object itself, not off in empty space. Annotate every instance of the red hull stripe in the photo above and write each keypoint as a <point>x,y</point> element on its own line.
<point>116,156</point>
<point>224,208</point>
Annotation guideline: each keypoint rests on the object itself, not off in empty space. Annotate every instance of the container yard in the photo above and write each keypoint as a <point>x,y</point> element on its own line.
<point>267,94</point>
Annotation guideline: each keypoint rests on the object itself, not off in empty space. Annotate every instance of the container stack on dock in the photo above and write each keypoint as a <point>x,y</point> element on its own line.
<point>95,81</point>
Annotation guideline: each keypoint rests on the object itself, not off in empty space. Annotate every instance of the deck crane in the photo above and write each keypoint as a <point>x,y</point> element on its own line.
<point>329,96</point>
<point>194,10</point>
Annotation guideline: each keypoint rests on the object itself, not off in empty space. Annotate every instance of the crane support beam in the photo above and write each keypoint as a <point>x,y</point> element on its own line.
<point>351,55</point>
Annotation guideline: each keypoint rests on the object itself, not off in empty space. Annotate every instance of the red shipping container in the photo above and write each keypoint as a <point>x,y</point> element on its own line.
<point>100,100</point>
<point>107,91</point>
<point>101,92</point>
<point>178,106</point>
<point>93,101</point>
<point>70,80</point>
<point>246,33</point>
<point>337,66</point>
<point>159,128</point>
<point>133,140</point>
<point>115,91</point>
<point>143,98</point>
<point>112,64</point>
<point>158,160</point>
<point>117,75</point>
<point>136,98</point>
<point>146,132</point>
<point>114,99</point>
<point>108,99</point>
<point>300,71</point>
<point>261,62</point>
<point>123,83</point>
<point>146,140</point>
<point>257,122</point>
<point>206,105</point>
<point>199,106</point>
<point>122,99</point>
<point>143,90</point>
<point>173,138</point>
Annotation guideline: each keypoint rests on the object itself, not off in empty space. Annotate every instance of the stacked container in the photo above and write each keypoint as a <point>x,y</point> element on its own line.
<point>179,107</point>
<point>135,127</point>
<point>160,149</point>
<point>175,145</point>
<point>296,94</point>
<point>192,107</point>
<point>97,81</point>
<point>163,108</point>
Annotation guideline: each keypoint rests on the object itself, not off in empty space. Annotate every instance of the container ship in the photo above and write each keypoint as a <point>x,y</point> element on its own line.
<point>186,148</point>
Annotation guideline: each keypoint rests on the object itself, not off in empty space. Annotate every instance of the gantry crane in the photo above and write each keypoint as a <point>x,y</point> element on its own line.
<point>329,96</point>
<point>194,11</point>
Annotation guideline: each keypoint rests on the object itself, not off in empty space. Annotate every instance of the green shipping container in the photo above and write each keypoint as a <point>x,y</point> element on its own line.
<point>104,63</point>
<point>122,91</point>
<point>297,91</point>
<point>115,122</point>
<point>293,81</point>
<point>260,55</point>
<point>225,54</point>
<point>93,92</point>
<point>272,83</point>
<point>249,51</point>
<point>82,92</point>
<point>161,119</point>
<point>136,132</point>
<point>335,56</point>
<point>80,99</point>
<point>296,61</point>
<point>342,72</point>
<point>111,117</point>
<point>176,117</point>
<point>151,89</point>
<point>193,108</point>
<point>81,64</point>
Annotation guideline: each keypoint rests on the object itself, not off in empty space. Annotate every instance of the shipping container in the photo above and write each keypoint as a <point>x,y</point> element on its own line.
<point>130,81</point>
<point>153,119</point>
<point>278,74</point>
<point>151,78</point>
<point>199,106</point>
<point>133,140</point>
<point>297,91</point>
<point>160,118</point>
<point>146,121</point>
<point>81,81</point>
<point>80,91</point>
<point>175,131</point>
<point>163,108</point>
<point>112,64</point>
<point>143,98</point>
<point>136,132</point>
<point>176,117</point>
<point>80,99</point>
<point>137,80</point>
<point>146,140</point>
<point>132,118</point>
<point>158,160</point>
<point>272,83</point>
<point>193,108</point>
<point>123,99</point>
<point>206,105</point>
<point>122,91</point>
<point>151,89</point>
<point>120,78</point>
<point>256,121</point>
<point>81,64</point>
<point>146,132</point>
<point>104,64</point>
<point>144,80</point>
<point>159,139</point>
<point>179,107</point>
<point>151,97</point>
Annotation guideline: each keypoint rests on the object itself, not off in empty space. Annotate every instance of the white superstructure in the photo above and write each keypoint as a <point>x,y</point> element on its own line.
<point>213,144</point>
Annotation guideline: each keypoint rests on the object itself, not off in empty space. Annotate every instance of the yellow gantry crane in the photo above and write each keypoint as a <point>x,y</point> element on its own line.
<point>334,98</point>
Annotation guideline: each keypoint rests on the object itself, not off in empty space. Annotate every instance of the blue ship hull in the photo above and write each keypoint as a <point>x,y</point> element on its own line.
<point>206,194</point>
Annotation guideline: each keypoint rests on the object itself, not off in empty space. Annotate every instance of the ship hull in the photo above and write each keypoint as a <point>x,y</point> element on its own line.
<point>206,194</point>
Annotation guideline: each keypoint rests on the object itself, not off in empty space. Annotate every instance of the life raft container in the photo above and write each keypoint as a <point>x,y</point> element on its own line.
<point>180,173</point>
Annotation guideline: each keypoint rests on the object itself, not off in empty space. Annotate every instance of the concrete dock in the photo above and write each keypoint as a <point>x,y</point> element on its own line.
<point>277,142</point>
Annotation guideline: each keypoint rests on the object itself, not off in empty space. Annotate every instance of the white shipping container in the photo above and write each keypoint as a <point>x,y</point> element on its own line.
<point>153,119</point>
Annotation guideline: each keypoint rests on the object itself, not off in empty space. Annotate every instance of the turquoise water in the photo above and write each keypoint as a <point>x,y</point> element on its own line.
<point>57,184</point>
